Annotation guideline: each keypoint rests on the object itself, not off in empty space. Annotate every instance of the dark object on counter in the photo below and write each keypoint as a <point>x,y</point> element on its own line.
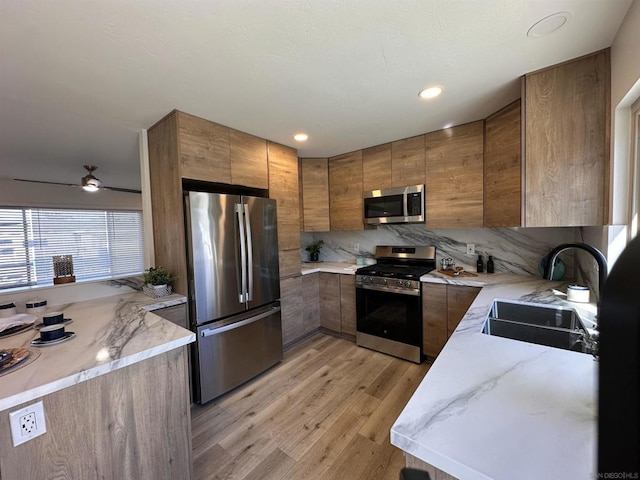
<point>490,264</point>
<point>52,318</point>
<point>559,268</point>
<point>619,367</point>
<point>479,265</point>
<point>413,474</point>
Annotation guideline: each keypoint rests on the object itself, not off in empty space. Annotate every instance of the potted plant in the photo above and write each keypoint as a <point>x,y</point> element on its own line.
<point>158,277</point>
<point>314,250</point>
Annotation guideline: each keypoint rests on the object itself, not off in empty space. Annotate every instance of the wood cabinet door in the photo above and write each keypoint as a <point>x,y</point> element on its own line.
<point>330,301</point>
<point>434,319</point>
<point>567,130</point>
<point>503,168</point>
<point>407,161</point>
<point>345,192</point>
<point>311,302</point>
<point>204,149</point>
<point>291,305</point>
<point>454,170</point>
<point>459,299</point>
<point>249,165</point>
<point>376,168</point>
<point>283,187</point>
<point>315,194</point>
<point>348,304</point>
<point>166,198</point>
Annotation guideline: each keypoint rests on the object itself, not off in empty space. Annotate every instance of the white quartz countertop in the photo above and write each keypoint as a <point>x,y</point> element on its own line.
<point>111,333</point>
<point>496,408</point>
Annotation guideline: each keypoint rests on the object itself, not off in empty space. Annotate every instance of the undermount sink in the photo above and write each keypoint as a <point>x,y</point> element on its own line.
<point>541,324</point>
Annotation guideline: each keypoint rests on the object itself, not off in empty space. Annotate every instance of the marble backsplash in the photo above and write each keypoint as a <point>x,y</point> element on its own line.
<point>515,250</point>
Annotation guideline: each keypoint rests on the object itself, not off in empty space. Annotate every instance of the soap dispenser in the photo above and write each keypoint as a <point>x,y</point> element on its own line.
<point>480,264</point>
<point>490,264</point>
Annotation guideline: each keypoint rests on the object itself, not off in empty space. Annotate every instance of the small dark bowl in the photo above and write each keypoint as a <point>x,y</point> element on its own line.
<point>52,318</point>
<point>51,332</point>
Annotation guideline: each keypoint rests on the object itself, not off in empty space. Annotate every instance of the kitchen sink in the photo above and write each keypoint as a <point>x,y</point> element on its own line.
<point>541,324</point>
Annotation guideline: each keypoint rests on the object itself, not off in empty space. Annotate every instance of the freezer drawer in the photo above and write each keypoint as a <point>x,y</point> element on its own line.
<point>231,352</point>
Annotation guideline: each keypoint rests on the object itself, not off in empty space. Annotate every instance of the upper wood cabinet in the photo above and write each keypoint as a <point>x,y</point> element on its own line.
<point>567,133</point>
<point>203,149</point>
<point>283,187</point>
<point>454,168</point>
<point>503,168</point>
<point>249,165</point>
<point>315,194</point>
<point>345,191</point>
<point>210,152</point>
<point>407,161</point>
<point>376,167</point>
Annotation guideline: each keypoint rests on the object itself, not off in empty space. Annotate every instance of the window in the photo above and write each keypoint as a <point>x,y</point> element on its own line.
<point>103,244</point>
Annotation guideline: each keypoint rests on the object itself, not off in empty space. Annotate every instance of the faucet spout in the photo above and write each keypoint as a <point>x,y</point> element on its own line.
<point>595,253</point>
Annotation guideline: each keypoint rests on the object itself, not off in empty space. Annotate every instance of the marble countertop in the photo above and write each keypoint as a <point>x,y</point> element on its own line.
<point>111,333</point>
<point>496,408</point>
<point>329,267</point>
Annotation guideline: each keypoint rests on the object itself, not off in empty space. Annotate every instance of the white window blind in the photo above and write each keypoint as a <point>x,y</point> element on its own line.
<point>103,244</point>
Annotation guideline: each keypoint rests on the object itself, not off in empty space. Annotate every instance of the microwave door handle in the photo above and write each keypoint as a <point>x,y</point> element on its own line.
<point>405,207</point>
<point>249,253</point>
<point>243,254</point>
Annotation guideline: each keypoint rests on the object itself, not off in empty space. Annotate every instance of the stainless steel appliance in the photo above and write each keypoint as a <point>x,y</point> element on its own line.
<point>234,289</point>
<point>389,301</point>
<point>395,205</point>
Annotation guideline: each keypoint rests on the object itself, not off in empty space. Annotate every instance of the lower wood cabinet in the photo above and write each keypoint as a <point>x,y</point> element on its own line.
<point>311,302</point>
<point>443,306</point>
<point>133,422</point>
<point>291,304</point>
<point>338,303</point>
<point>348,304</point>
<point>330,301</point>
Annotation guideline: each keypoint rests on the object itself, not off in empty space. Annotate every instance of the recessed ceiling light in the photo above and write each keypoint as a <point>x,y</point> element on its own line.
<point>430,92</point>
<point>549,24</point>
<point>300,137</point>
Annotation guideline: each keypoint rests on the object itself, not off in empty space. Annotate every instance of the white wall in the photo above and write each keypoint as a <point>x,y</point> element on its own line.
<point>625,89</point>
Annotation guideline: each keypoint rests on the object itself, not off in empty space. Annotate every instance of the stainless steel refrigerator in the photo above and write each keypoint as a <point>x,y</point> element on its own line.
<point>234,289</point>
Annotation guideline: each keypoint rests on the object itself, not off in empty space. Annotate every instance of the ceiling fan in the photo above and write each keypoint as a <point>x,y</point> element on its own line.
<point>89,183</point>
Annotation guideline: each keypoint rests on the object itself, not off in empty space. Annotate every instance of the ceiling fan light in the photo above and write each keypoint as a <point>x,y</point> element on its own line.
<point>91,183</point>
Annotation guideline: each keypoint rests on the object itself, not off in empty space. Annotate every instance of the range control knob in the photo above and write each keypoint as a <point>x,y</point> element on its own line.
<point>399,283</point>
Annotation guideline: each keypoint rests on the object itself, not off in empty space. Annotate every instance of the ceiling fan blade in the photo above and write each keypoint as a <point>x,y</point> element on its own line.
<point>126,190</point>
<point>49,183</point>
<point>115,189</point>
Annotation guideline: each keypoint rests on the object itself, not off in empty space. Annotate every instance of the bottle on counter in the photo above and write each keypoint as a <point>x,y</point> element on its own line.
<point>490,264</point>
<point>480,264</point>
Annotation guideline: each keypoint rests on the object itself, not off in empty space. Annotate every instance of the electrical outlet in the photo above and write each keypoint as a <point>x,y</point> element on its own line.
<point>27,423</point>
<point>356,248</point>
<point>471,249</point>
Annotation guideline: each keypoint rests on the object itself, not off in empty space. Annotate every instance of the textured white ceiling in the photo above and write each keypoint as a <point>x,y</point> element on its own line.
<point>79,78</point>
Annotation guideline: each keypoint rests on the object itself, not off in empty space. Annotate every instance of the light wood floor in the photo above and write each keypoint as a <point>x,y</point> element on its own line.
<point>324,413</point>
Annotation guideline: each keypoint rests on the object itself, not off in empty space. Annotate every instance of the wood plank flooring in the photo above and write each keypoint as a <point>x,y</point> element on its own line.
<point>323,413</point>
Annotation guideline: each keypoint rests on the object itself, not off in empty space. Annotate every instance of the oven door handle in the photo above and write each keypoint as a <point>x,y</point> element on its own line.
<point>399,291</point>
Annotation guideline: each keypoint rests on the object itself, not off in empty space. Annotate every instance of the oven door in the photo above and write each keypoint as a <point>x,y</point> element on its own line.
<point>390,322</point>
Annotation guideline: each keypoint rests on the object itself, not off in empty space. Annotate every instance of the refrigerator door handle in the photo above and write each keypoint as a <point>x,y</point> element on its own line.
<point>242,297</point>
<point>249,253</point>
<point>242,323</point>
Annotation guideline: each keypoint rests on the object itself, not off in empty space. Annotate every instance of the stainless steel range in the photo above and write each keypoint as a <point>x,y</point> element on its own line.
<point>389,300</point>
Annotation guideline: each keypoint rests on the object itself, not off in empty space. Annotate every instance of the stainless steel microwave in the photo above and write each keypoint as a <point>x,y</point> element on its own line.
<point>395,205</point>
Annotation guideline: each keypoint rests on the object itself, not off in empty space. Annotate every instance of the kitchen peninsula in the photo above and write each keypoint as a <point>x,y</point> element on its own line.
<point>495,408</point>
<point>116,397</point>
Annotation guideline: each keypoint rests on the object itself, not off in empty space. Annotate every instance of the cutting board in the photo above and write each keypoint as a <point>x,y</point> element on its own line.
<point>462,273</point>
